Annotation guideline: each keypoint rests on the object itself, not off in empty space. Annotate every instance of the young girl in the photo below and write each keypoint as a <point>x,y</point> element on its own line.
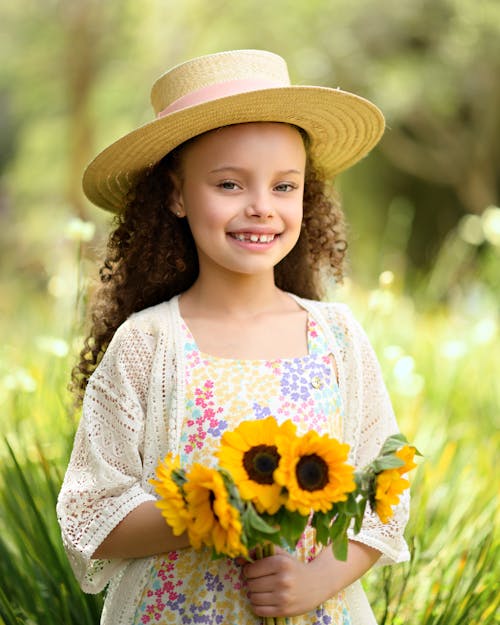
<point>208,314</point>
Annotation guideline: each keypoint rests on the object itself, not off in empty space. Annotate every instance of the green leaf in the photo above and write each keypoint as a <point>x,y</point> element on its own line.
<point>393,443</point>
<point>215,555</point>
<point>340,546</point>
<point>254,521</point>
<point>364,480</point>
<point>358,519</point>
<point>321,523</point>
<point>292,525</point>
<point>351,505</point>
<point>232,490</point>
<point>387,462</point>
<point>179,477</point>
<point>339,526</point>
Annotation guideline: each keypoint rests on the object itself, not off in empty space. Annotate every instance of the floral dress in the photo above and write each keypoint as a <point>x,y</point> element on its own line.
<point>187,586</point>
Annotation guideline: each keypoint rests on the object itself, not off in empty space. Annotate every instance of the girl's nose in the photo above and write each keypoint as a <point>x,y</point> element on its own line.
<point>261,207</point>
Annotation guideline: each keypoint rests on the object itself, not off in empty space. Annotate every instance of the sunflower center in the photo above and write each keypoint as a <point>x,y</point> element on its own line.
<point>260,463</point>
<point>312,472</point>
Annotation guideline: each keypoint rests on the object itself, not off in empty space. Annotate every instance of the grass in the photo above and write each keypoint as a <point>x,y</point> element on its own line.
<point>442,369</point>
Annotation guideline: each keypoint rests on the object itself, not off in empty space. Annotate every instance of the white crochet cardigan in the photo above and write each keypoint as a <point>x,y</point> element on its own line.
<point>132,414</point>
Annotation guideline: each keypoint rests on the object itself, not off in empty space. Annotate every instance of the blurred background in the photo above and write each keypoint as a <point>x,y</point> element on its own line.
<point>424,263</point>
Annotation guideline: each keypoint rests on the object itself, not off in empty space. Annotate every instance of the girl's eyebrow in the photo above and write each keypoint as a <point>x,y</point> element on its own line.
<point>235,168</point>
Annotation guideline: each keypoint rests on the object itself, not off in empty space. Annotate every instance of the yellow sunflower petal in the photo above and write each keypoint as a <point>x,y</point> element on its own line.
<point>235,440</point>
<point>406,454</point>
<point>270,498</point>
<point>388,487</point>
<point>213,520</point>
<point>171,503</point>
<point>249,454</point>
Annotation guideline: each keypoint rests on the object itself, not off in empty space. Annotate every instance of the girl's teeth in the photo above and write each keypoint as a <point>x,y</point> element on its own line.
<point>254,238</point>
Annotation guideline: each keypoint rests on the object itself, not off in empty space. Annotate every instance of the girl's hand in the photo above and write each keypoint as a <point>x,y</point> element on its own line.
<point>281,585</point>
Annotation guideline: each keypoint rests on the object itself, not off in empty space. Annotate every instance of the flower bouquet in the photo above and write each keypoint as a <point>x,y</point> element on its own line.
<point>270,483</point>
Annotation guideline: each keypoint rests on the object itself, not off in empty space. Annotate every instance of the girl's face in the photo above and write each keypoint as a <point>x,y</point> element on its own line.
<point>241,190</point>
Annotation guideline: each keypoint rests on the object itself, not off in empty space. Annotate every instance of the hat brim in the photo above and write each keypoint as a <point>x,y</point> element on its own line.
<point>343,128</point>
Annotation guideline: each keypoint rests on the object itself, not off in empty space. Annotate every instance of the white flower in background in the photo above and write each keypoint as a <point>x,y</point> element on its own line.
<point>408,382</point>
<point>19,380</point>
<point>404,367</point>
<point>491,224</point>
<point>63,285</point>
<point>393,352</point>
<point>470,229</point>
<point>484,331</point>
<point>476,229</point>
<point>56,347</point>
<point>381,301</point>
<point>454,349</point>
<point>386,279</point>
<point>56,286</point>
<point>79,230</point>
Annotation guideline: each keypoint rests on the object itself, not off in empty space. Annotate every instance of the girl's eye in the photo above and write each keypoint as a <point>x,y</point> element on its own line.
<point>228,185</point>
<point>285,187</point>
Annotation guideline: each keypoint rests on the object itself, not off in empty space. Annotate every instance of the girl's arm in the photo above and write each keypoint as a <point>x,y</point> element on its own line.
<point>281,585</point>
<point>142,533</point>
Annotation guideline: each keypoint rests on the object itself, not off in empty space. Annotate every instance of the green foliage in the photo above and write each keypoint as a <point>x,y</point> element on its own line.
<point>37,582</point>
<point>431,65</point>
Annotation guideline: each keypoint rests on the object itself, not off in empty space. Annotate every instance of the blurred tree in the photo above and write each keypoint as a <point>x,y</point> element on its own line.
<point>432,66</point>
<point>79,70</point>
<point>83,27</point>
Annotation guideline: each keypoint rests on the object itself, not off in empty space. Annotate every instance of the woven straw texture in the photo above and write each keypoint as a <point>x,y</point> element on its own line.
<point>343,127</point>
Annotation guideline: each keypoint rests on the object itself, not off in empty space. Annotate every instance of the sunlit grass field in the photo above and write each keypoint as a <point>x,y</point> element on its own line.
<point>442,368</point>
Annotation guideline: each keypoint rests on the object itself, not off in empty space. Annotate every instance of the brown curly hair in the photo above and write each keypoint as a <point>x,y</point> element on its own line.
<point>151,255</point>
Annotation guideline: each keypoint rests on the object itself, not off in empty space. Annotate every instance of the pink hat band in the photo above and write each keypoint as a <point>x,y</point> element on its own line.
<point>218,90</point>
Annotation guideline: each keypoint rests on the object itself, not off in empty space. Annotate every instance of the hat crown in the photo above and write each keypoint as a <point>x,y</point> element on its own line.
<point>214,69</point>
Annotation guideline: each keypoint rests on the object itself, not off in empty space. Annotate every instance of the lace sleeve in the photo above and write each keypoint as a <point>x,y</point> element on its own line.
<point>103,482</point>
<point>370,420</point>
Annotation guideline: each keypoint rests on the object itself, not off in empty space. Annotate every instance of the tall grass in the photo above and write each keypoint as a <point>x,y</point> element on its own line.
<point>442,370</point>
<point>37,584</point>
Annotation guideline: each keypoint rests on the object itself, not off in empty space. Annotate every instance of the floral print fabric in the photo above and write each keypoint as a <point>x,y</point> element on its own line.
<point>187,586</point>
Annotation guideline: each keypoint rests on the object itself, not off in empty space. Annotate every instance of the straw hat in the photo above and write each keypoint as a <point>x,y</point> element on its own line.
<point>231,88</point>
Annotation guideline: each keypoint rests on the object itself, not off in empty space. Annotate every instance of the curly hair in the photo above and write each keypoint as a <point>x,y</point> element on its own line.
<point>151,256</point>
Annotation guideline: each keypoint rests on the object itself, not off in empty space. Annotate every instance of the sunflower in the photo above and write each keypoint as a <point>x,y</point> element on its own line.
<point>388,487</point>
<point>214,522</point>
<point>314,471</point>
<point>171,503</point>
<point>250,455</point>
<point>406,454</point>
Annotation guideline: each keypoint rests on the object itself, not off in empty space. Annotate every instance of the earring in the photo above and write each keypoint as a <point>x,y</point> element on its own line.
<point>178,214</point>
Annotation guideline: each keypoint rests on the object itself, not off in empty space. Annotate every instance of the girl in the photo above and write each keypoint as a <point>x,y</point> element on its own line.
<point>207,315</point>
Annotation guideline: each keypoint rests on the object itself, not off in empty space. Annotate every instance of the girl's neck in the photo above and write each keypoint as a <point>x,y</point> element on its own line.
<point>245,297</point>
<point>244,319</point>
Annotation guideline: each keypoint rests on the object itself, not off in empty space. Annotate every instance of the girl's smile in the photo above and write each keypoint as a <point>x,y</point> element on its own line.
<point>241,189</point>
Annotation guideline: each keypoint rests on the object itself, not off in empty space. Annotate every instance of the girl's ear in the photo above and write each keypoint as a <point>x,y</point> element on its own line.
<point>177,204</point>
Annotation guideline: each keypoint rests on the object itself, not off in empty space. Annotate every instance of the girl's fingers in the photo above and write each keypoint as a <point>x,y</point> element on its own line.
<point>267,566</point>
<point>257,569</point>
<point>262,599</point>
<point>261,584</point>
